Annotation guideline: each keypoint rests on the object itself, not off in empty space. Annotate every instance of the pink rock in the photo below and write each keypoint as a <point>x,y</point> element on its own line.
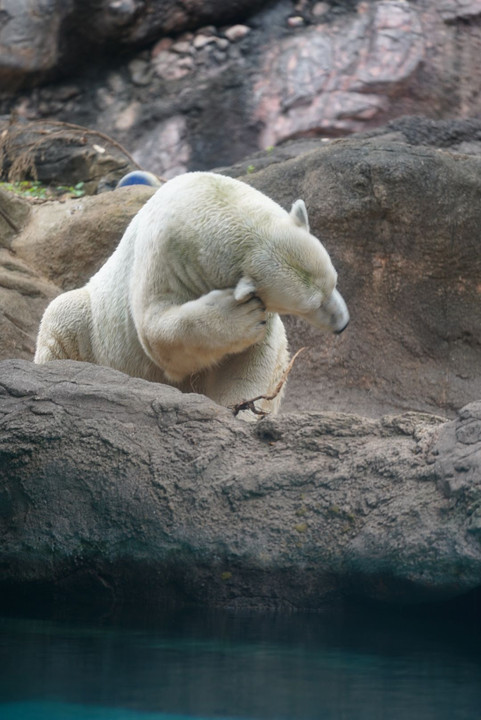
<point>332,79</point>
<point>320,8</point>
<point>171,66</point>
<point>452,9</point>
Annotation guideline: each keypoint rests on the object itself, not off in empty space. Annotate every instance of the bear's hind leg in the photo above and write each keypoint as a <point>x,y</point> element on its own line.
<point>64,332</point>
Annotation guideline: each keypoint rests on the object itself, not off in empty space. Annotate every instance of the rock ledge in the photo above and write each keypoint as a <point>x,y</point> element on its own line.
<point>132,491</point>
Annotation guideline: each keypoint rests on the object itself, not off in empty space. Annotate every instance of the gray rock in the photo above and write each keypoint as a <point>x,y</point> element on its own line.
<point>143,493</point>
<point>30,35</point>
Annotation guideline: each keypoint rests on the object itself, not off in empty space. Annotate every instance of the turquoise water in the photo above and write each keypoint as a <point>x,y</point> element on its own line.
<point>333,665</point>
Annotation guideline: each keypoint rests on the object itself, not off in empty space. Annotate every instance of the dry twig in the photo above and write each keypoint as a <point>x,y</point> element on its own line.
<point>249,404</point>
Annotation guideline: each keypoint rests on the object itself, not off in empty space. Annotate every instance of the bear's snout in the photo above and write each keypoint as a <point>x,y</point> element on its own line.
<point>341,330</point>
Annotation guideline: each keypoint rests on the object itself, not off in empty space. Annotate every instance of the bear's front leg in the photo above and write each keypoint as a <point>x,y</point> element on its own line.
<point>185,339</point>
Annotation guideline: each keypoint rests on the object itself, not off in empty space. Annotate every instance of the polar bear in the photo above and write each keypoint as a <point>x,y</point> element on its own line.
<point>192,294</point>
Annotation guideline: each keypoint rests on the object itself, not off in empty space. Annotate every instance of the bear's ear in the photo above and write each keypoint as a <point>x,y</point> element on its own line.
<point>299,214</point>
<point>244,289</point>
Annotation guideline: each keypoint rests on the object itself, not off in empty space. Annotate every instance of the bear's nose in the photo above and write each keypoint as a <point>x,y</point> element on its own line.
<point>338,332</point>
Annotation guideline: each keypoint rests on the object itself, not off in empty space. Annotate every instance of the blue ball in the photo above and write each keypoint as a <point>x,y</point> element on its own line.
<point>139,177</point>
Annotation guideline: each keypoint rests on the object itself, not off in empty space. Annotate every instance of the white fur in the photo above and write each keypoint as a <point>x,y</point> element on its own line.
<point>192,294</point>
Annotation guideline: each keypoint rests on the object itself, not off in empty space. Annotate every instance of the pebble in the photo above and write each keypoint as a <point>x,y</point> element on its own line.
<point>183,47</point>
<point>140,72</point>
<point>236,32</point>
<point>129,116</point>
<point>295,21</point>
<point>201,41</point>
<point>222,43</point>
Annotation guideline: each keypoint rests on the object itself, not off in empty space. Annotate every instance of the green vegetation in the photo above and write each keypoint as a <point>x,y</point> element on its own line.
<point>36,189</point>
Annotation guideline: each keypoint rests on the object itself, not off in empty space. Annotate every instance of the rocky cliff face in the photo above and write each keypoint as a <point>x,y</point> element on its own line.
<point>198,85</point>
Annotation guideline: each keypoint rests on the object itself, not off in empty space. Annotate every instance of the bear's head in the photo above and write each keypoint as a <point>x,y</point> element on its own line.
<point>292,273</point>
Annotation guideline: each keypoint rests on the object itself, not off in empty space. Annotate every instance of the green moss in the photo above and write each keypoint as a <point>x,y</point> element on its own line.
<point>36,189</point>
<point>225,576</point>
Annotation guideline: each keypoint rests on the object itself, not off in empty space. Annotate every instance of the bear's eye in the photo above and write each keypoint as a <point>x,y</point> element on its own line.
<point>303,275</point>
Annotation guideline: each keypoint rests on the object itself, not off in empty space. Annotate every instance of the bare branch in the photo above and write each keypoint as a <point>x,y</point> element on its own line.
<point>249,404</point>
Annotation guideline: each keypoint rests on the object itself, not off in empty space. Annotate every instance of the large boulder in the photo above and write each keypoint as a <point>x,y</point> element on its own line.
<point>24,294</point>
<point>116,489</point>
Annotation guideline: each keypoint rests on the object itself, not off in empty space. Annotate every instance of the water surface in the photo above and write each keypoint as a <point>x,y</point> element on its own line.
<point>350,664</point>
